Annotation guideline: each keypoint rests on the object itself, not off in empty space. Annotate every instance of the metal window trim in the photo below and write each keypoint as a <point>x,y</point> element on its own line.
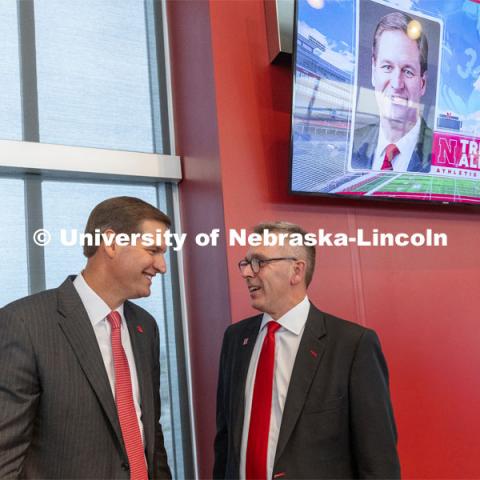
<point>28,70</point>
<point>84,162</point>
<point>177,218</point>
<point>184,315</point>
<point>33,221</point>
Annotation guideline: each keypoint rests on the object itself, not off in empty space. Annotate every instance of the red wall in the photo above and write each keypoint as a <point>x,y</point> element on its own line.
<point>205,269</point>
<point>421,301</point>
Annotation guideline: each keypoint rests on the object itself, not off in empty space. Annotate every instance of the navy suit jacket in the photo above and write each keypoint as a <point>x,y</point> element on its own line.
<point>337,421</point>
<point>365,142</point>
<point>58,417</point>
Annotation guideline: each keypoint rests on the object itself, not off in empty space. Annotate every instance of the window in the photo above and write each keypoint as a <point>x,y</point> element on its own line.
<point>93,74</point>
<point>10,113</point>
<point>85,81</point>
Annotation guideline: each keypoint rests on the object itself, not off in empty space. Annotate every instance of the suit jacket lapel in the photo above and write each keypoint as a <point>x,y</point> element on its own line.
<point>144,374</point>
<point>364,146</point>
<point>415,164</point>
<point>79,332</point>
<point>310,352</point>
<point>421,159</point>
<point>372,146</point>
<point>367,153</point>
<point>245,348</point>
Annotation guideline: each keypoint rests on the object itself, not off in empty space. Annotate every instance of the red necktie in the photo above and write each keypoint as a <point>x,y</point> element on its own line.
<point>390,153</point>
<point>125,406</point>
<point>257,446</point>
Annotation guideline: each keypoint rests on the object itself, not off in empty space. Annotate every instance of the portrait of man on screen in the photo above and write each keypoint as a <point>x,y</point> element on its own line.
<point>391,131</point>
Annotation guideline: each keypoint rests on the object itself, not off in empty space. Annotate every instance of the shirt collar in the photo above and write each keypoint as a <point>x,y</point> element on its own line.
<point>294,320</point>
<point>403,143</point>
<point>410,138</point>
<point>95,306</point>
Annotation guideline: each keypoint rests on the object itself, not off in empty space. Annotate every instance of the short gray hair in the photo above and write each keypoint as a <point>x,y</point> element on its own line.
<point>289,229</point>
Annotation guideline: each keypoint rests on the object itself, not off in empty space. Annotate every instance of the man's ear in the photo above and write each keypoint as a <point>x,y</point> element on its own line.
<point>298,272</point>
<point>424,83</point>
<point>373,69</point>
<point>108,244</point>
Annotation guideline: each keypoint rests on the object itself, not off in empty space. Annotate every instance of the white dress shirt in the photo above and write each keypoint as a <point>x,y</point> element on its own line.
<point>406,145</point>
<point>287,341</point>
<point>97,311</point>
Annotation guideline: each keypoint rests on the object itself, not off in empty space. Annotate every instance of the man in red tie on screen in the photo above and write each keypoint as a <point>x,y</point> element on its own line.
<point>301,394</point>
<point>401,141</point>
<point>79,364</point>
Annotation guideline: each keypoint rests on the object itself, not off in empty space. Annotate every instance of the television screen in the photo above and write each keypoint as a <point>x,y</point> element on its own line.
<point>386,99</point>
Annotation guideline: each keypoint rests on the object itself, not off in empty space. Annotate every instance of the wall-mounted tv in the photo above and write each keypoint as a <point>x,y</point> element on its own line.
<point>386,99</point>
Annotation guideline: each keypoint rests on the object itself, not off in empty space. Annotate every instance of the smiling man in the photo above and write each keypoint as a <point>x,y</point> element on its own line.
<point>401,141</point>
<point>301,394</point>
<point>79,364</point>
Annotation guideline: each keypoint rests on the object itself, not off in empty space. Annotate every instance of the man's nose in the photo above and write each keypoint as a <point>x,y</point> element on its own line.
<point>396,79</point>
<point>159,263</point>
<point>247,271</point>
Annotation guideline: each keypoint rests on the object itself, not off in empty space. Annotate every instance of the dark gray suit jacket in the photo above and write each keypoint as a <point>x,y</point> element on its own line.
<point>337,421</point>
<point>365,143</point>
<point>57,412</point>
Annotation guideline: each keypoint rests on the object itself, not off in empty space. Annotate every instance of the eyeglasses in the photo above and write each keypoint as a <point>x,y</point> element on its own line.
<point>257,263</point>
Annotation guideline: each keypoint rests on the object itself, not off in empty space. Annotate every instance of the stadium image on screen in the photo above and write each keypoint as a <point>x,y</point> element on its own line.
<point>388,105</point>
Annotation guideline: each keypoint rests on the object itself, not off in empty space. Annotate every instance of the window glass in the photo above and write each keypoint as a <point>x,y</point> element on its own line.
<point>93,75</point>
<point>10,111</point>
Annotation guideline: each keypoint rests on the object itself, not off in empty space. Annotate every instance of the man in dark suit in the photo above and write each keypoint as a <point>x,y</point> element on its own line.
<point>366,141</point>
<point>79,364</point>
<point>301,394</point>
<point>401,141</point>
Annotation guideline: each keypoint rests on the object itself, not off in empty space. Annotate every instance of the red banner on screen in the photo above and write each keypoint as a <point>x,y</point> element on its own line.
<point>455,155</point>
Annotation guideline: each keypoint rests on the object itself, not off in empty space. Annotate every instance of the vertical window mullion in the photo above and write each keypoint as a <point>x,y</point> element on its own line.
<point>182,433</point>
<point>28,70</point>
<point>158,87</point>
<point>33,222</point>
<point>31,133</point>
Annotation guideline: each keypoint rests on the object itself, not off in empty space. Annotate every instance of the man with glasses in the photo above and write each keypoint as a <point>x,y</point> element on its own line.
<point>301,394</point>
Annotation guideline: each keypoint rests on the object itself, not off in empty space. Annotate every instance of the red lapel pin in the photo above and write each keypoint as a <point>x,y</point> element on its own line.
<point>313,353</point>
<point>279,474</point>
<point>139,329</point>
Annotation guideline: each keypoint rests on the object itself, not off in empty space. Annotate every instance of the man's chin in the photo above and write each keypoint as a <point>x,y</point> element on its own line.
<point>147,292</point>
<point>256,304</point>
<point>140,293</point>
<point>400,114</point>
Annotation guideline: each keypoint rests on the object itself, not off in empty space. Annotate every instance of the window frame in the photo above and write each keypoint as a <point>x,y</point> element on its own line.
<point>35,162</point>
